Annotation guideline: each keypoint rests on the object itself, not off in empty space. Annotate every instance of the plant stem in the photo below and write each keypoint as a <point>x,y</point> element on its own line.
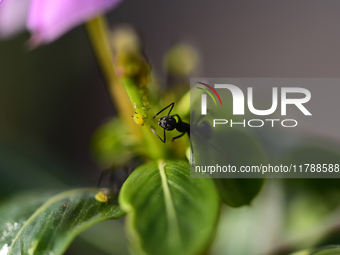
<point>99,36</point>
<point>98,33</point>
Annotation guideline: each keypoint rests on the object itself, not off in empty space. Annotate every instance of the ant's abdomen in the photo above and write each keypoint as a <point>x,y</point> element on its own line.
<point>205,130</point>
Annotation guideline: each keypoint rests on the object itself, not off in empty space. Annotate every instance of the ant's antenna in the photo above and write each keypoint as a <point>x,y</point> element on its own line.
<point>172,106</point>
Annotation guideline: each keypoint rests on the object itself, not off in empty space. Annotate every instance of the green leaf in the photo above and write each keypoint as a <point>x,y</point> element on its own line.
<point>105,238</point>
<point>239,148</point>
<point>321,153</point>
<point>168,212</point>
<point>329,250</point>
<point>54,223</point>
<point>223,146</point>
<point>112,144</point>
<point>238,192</point>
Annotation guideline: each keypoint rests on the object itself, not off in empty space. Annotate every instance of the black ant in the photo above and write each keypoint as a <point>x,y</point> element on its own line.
<point>169,123</point>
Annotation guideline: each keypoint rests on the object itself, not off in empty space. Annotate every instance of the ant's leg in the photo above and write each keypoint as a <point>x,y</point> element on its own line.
<point>178,136</point>
<point>191,147</point>
<point>192,160</point>
<point>172,106</point>
<point>164,135</point>
<point>118,178</point>
<point>153,131</point>
<point>112,178</point>
<point>179,118</point>
<point>102,175</point>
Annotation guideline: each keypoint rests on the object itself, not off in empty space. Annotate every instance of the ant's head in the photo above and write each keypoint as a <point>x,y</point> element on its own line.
<point>168,123</point>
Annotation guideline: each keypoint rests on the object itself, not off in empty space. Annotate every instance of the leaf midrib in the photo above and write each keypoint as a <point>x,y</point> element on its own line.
<point>42,208</point>
<point>171,214</point>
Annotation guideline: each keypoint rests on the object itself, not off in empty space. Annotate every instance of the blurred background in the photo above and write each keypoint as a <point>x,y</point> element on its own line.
<point>53,98</point>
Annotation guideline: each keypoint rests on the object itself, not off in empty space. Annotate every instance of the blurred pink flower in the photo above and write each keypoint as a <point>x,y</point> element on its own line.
<point>47,20</point>
<point>13,15</point>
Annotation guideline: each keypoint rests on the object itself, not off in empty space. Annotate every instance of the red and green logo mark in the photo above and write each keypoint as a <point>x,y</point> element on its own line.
<point>209,93</point>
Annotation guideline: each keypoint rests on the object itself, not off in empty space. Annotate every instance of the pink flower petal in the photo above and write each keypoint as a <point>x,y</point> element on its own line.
<point>13,15</point>
<point>50,19</point>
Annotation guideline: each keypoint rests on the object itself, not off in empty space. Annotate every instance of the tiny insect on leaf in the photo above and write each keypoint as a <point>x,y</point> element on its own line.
<point>103,196</point>
<point>138,118</point>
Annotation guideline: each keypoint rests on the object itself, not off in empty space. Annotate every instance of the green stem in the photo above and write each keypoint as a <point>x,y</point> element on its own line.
<point>98,33</point>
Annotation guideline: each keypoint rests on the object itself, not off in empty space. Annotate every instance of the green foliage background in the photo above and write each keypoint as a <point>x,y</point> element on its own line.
<point>53,99</point>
